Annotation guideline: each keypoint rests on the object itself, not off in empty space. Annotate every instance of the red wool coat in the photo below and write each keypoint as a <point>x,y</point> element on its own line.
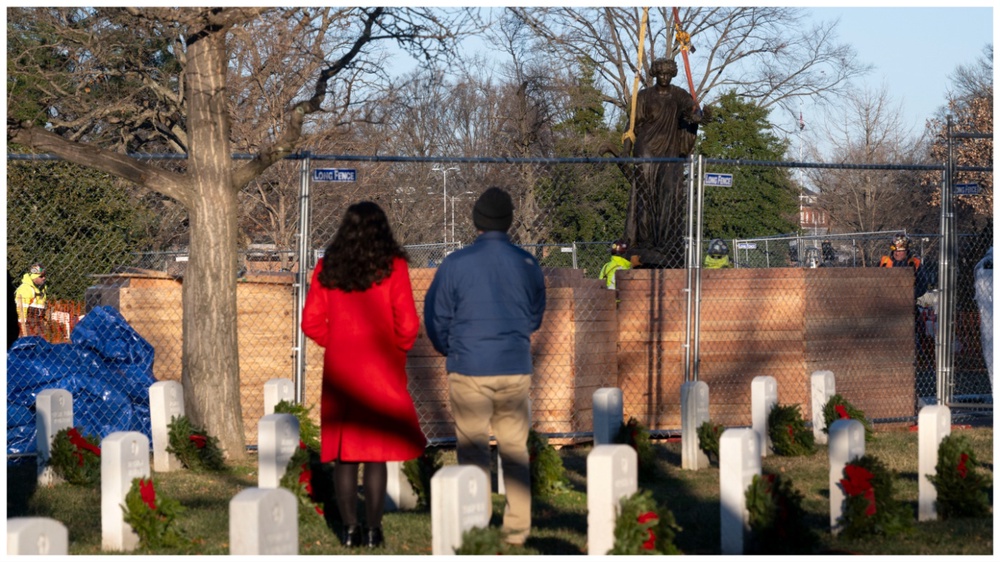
<point>366,412</point>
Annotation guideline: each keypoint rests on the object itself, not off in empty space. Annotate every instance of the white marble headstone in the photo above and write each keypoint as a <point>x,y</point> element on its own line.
<point>739,462</point>
<point>934,424</point>
<point>277,440</point>
<point>124,457</point>
<point>53,413</point>
<point>612,474</point>
<point>263,521</point>
<point>399,494</point>
<point>608,414</point>
<point>694,412</point>
<point>823,385</point>
<point>37,535</point>
<point>276,390</point>
<point>166,402</point>
<point>847,443</point>
<point>459,501</point>
<point>763,398</point>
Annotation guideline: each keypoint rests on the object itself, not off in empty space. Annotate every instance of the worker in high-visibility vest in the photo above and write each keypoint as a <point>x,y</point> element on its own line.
<point>718,255</point>
<point>618,261</point>
<point>30,299</point>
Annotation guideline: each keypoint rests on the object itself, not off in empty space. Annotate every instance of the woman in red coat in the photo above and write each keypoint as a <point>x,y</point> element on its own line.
<point>360,309</point>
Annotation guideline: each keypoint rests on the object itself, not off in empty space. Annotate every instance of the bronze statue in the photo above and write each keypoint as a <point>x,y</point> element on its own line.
<point>666,125</point>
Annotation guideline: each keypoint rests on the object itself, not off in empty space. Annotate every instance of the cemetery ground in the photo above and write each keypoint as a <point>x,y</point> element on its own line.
<point>560,520</point>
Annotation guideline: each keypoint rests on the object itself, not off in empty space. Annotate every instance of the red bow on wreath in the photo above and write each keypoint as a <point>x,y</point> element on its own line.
<point>842,412</point>
<point>198,440</point>
<point>650,543</point>
<point>961,468</point>
<point>80,443</point>
<point>858,482</point>
<point>147,493</point>
<point>305,477</point>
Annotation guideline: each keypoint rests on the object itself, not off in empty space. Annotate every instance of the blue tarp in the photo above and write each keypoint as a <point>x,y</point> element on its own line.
<point>108,368</point>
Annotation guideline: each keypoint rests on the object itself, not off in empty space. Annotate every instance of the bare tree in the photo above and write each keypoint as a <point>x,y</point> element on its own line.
<point>163,75</point>
<point>871,131</point>
<point>766,54</point>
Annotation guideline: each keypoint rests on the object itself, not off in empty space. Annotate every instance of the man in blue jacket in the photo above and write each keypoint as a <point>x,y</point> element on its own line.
<point>480,311</point>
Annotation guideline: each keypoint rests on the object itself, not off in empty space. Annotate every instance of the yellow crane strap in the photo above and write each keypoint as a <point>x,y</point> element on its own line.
<point>630,134</point>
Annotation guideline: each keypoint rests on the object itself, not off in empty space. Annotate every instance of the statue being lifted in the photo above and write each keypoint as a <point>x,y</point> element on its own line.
<point>666,125</point>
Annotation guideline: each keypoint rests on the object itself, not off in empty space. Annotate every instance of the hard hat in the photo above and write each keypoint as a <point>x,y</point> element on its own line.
<point>899,243</point>
<point>717,247</point>
<point>37,269</point>
<point>619,247</point>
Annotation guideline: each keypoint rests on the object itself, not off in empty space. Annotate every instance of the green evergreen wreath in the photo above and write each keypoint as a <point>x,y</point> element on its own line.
<point>548,476</point>
<point>196,450</point>
<point>871,507</point>
<point>76,458</point>
<point>777,519</point>
<point>482,541</point>
<point>708,439</point>
<point>636,436</point>
<point>308,430</point>
<point>644,527</point>
<point>419,472</point>
<point>152,516</point>
<point>788,433</point>
<point>961,490</point>
<point>298,480</point>
<point>837,407</point>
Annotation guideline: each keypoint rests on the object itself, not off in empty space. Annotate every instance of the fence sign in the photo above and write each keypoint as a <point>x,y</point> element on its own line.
<point>966,189</point>
<point>721,180</point>
<point>335,174</point>
<point>746,246</point>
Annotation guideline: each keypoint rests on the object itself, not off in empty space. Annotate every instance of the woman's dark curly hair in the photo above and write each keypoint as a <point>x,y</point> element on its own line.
<point>362,251</point>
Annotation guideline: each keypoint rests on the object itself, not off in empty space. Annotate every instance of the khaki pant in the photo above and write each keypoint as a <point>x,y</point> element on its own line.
<point>502,402</point>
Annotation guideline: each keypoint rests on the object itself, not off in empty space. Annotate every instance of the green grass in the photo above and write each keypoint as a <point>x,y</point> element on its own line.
<point>560,521</point>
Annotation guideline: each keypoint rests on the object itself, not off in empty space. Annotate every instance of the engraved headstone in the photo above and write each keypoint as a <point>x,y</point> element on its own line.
<point>37,535</point>
<point>823,387</point>
<point>612,474</point>
<point>934,424</point>
<point>739,462</point>
<point>847,443</point>
<point>124,457</point>
<point>53,413</point>
<point>166,402</point>
<point>763,398</point>
<point>607,405</point>
<point>277,440</point>
<point>276,390</point>
<point>263,521</point>
<point>694,412</point>
<point>459,501</point>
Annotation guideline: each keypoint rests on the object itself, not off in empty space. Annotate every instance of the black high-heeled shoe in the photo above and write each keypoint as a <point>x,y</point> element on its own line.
<point>374,538</point>
<point>350,536</point>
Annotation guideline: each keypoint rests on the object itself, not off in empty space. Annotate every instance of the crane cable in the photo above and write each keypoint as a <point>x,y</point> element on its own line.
<point>630,134</point>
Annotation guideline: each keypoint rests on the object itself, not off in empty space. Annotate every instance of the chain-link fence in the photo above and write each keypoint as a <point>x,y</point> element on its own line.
<point>791,304</point>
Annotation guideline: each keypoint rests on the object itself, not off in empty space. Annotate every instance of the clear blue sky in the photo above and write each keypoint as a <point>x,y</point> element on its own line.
<point>913,49</point>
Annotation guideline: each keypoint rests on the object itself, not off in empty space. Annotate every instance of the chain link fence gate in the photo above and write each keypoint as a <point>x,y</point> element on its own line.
<point>567,213</point>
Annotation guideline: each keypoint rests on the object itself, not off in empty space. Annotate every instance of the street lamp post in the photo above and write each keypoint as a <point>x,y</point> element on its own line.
<point>444,198</point>
<point>453,197</point>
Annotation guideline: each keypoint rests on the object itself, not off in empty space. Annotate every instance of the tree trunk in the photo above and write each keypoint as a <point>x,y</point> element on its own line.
<point>211,371</point>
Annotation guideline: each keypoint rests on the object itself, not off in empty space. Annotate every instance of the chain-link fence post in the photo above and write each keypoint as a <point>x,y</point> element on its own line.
<point>301,280</point>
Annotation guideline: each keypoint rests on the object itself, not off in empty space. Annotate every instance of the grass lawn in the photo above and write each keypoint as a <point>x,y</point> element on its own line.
<point>560,521</point>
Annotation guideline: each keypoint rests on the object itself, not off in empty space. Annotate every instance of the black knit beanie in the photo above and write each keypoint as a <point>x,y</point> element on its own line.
<point>494,210</point>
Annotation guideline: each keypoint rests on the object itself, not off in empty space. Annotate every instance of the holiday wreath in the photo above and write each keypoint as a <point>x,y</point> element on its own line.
<point>76,458</point>
<point>789,435</point>
<point>776,517</point>
<point>152,517</point>
<point>196,450</point>
<point>961,490</point>
<point>636,435</point>
<point>483,541</point>
<point>419,472</point>
<point>708,439</point>
<point>548,476</point>
<point>838,408</point>
<point>644,527</point>
<point>870,507</point>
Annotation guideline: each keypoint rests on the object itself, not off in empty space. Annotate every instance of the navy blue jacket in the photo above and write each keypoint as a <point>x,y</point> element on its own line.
<point>483,305</point>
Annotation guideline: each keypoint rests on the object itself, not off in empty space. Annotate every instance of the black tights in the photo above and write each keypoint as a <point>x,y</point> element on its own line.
<point>345,485</point>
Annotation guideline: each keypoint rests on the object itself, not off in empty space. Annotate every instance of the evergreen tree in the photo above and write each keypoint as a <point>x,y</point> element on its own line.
<point>762,199</point>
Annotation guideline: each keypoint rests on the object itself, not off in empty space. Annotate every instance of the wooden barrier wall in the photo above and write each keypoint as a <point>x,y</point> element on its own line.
<point>785,323</point>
